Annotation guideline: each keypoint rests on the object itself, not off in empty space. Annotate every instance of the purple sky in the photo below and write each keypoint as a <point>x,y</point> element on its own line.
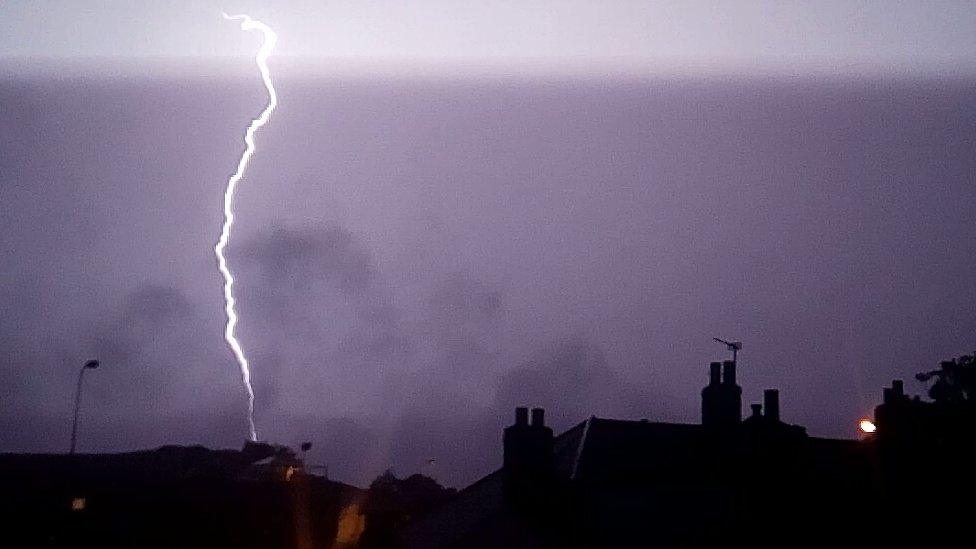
<point>417,254</point>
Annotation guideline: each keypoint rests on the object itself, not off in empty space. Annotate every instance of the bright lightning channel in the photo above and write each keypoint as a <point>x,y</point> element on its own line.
<point>247,24</point>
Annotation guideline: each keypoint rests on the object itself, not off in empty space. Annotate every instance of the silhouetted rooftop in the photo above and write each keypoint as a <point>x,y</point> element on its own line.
<point>678,473</point>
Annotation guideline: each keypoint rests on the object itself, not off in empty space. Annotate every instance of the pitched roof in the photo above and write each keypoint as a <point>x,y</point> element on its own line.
<point>677,462</point>
<point>631,449</point>
<point>479,507</point>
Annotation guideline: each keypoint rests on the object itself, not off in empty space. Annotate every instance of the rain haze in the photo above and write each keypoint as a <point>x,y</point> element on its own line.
<point>460,207</point>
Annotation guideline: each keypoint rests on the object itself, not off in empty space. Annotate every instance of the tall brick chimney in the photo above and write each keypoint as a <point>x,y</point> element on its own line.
<point>771,405</point>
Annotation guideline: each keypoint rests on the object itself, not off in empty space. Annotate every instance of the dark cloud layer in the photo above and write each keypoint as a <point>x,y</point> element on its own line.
<point>416,257</point>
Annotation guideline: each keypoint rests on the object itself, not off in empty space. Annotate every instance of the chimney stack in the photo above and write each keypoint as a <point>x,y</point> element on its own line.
<point>771,404</point>
<point>721,398</point>
<point>528,451</point>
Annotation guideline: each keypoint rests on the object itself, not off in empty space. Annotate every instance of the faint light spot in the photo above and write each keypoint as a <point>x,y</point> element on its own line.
<point>867,426</point>
<point>78,504</point>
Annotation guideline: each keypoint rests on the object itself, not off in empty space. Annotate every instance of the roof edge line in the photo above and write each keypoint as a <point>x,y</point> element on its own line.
<point>582,444</point>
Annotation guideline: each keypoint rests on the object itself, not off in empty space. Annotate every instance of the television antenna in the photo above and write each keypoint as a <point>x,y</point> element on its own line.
<point>733,346</point>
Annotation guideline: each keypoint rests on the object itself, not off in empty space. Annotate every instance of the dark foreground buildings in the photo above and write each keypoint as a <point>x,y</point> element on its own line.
<point>169,497</point>
<point>727,482</point>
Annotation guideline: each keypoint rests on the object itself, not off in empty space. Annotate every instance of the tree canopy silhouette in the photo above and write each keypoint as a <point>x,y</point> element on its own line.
<point>955,381</point>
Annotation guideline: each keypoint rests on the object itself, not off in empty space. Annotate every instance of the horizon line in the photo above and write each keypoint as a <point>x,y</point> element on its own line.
<point>611,66</point>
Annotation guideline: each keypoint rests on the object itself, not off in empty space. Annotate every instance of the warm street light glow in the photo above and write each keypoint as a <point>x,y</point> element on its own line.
<point>867,426</point>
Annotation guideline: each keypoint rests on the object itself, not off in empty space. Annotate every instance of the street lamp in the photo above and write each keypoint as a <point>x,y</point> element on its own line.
<point>90,365</point>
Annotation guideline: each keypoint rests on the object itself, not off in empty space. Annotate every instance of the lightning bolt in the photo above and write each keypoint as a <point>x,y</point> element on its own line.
<point>247,24</point>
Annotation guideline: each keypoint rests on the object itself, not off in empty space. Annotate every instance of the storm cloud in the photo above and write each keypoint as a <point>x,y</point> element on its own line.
<point>416,256</point>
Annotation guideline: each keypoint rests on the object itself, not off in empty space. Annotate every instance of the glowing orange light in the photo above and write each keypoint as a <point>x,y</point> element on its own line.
<point>867,426</point>
<point>351,525</point>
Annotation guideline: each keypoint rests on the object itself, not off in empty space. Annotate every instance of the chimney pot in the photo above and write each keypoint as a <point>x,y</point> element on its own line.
<point>771,404</point>
<point>538,417</point>
<point>715,373</point>
<point>756,410</point>
<point>728,372</point>
<point>897,388</point>
<point>521,416</point>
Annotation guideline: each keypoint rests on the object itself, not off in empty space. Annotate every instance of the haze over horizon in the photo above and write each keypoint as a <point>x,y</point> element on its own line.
<point>416,255</point>
<point>909,35</point>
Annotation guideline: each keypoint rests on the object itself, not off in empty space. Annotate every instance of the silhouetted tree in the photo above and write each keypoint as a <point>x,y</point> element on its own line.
<point>955,381</point>
<point>391,501</point>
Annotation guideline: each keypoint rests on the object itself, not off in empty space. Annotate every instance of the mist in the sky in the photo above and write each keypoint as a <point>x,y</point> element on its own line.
<point>416,256</point>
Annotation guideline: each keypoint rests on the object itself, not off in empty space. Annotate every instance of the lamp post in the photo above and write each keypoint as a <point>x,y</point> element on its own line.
<point>90,365</point>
